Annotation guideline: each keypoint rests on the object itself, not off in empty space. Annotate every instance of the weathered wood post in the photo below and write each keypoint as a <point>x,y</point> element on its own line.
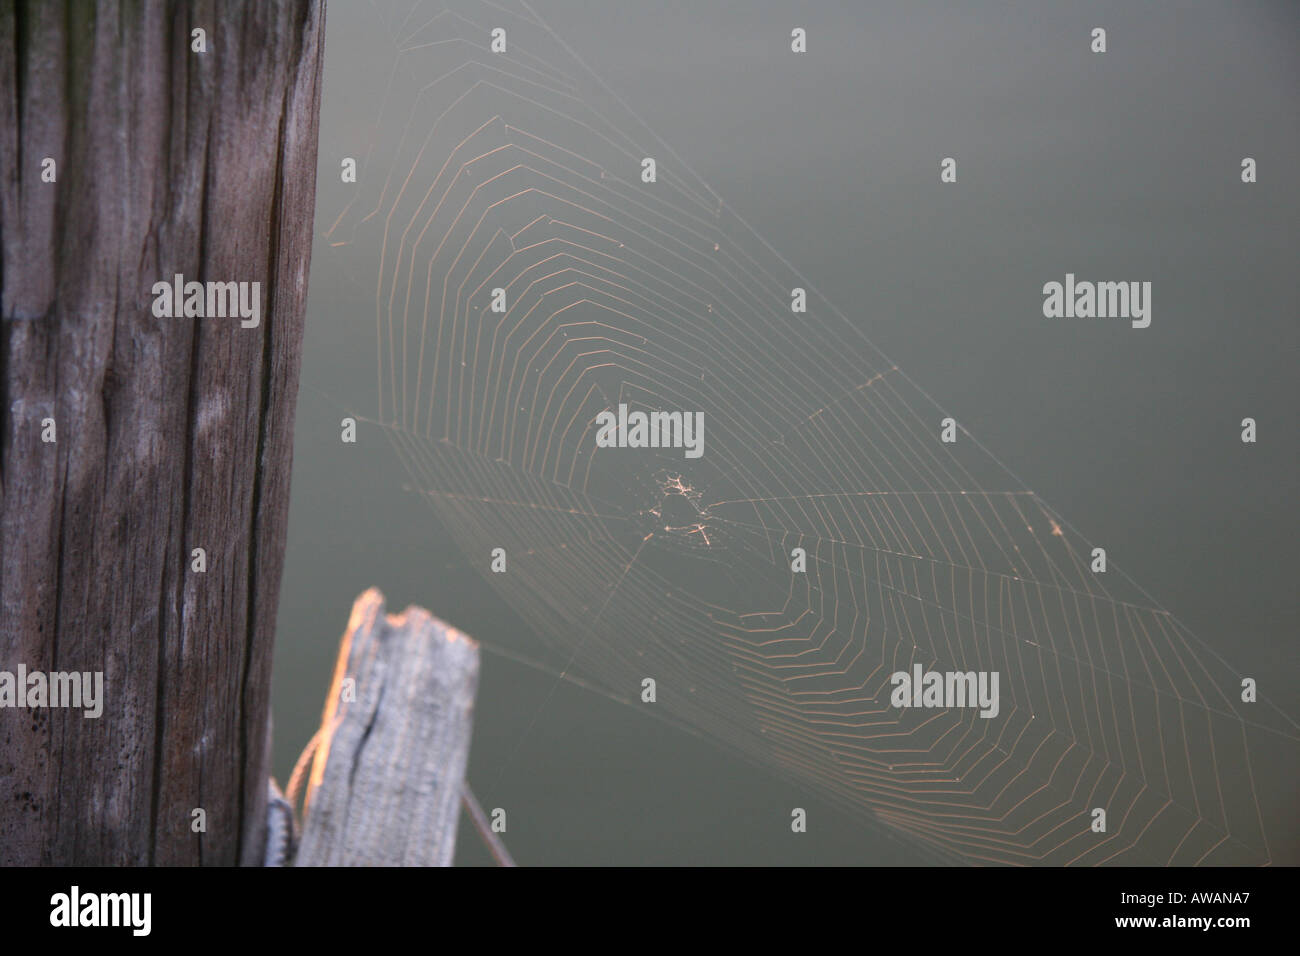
<point>144,464</point>
<point>389,764</point>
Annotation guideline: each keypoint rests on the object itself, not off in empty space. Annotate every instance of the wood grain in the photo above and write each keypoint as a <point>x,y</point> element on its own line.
<point>385,784</point>
<point>172,433</point>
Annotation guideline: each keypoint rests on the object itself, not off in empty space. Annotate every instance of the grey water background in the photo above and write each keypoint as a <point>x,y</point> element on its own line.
<point>1115,166</point>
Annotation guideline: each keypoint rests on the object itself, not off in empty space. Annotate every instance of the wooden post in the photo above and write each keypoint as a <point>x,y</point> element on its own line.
<point>132,150</point>
<point>385,784</point>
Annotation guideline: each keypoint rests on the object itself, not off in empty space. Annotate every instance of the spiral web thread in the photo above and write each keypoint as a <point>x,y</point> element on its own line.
<point>519,171</point>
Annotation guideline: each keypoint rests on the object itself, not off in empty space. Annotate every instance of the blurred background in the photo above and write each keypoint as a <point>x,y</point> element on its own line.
<point>1123,165</point>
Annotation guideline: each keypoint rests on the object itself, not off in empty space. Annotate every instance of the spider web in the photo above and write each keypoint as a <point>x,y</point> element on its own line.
<point>520,171</point>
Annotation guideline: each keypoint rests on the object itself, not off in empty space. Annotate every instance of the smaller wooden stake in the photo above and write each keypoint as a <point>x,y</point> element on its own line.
<point>385,784</point>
